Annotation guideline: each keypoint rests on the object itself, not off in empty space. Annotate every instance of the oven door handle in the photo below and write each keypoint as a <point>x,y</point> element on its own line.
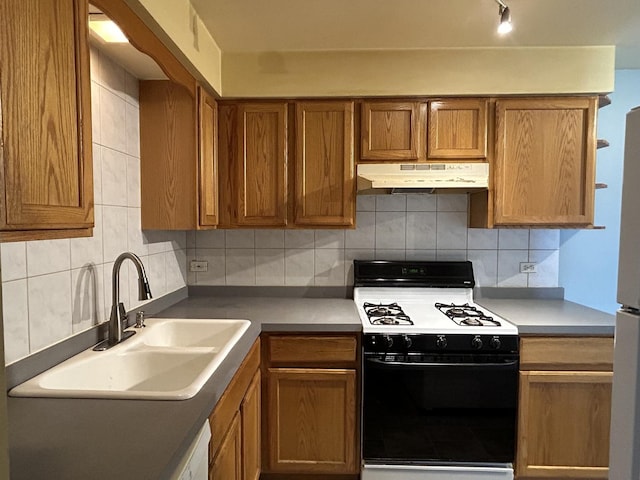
<point>436,364</point>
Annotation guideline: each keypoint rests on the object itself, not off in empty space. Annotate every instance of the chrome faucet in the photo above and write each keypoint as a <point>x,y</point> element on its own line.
<point>118,317</point>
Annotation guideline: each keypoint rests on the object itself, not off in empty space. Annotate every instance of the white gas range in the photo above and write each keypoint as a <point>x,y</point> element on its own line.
<point>439,373</point>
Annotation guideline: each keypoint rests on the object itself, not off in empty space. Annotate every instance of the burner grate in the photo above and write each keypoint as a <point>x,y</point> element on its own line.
<point>467,315</point>
<point>386,314</point>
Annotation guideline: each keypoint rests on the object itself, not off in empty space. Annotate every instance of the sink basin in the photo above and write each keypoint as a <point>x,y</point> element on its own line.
<point>171,359</point>
<point>193,333</point>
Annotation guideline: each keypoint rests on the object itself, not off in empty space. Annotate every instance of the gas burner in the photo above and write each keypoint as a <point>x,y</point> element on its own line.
<point>386,314</point>
<point>391,320</point>
<point>467,315</point>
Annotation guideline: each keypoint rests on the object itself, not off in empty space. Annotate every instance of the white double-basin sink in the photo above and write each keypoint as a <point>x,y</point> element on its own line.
<point>169,359</point>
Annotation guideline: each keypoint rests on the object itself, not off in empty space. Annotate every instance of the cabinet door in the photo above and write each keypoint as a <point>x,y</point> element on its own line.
<point>251,432</point>
<point>227,464</point>
<point>312,420</point>
<point>325,181</point>
<point>46,179</point>
<point>458,129</point>
<point>390,131</point>
<point>168,156</point>
<point>545,159</point>
<point>261,170</point>
<point>563,429</point>
<point>208,165</point>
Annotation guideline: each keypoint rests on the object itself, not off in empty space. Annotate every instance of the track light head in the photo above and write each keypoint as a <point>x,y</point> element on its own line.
<point>505,25</point>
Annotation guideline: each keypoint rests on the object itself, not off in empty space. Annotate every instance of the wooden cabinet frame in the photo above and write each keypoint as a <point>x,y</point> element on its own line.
<point>457,129</point>
<point>325,186</point>
<point>310,408</point>
<point>391,130</point>
<point>564,408</point>
<point>544,167</point>
<point>541,447</point>
<point>46,173</point>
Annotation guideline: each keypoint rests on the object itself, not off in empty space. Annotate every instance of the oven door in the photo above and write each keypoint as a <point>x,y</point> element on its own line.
<point>452,410</point>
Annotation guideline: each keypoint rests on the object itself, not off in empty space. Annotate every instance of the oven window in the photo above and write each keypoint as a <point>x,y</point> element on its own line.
<point>459,414</point>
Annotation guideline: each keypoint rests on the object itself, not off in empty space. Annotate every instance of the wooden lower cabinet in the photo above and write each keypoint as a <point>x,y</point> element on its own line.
<point>311,406</point>
<point>234,449</point>
<point>564,415</point>
<point>227,465</point>
<point>251,440</point>
<point>312,418</point>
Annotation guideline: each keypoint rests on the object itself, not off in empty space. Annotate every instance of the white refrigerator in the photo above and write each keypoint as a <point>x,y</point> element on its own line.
<point>625,413</point>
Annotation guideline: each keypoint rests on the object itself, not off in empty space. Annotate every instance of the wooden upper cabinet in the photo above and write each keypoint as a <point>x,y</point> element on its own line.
<point>391,130</point>
<point>168,156</point>
<point>457,129</point>
<point>208,162</point>
<point>254,154</point>
<point>46,177</point>
<point>324,166</point>
<point>545,161</point>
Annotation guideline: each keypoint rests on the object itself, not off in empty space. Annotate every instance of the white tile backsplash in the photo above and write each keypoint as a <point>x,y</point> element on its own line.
<point>391,203</point>
<point>14,261</point>
<point>329,266</point>
<point>390,230</point>
<point>269,238</point>
<point>509,268</point>
<point>55,288</point>
<point>270,266</point>
<point>299,266</point>
<point>49,300</point>
<point>513,239</point>
<point>388,227</point>
<point>451,231</point>
<point>114,178</point>
<point>421,231</point>
<point>452,203</point>
<point>48,256</point>
<point>15,312</point>
<point>240,266</point>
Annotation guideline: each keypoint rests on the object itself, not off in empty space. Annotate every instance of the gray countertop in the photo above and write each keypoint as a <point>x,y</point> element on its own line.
<point>551,317</point>
<point>145,440</point>
<point>124,439</point>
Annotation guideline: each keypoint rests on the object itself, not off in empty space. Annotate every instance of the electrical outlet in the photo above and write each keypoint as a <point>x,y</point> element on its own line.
<point>198,266</point>
<point>528,267</point>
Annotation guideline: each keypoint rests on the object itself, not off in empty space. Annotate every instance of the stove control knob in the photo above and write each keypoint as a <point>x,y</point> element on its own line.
<point>407,341</point>
<point>495,343</point>
<point>476,342</point>
<point>388,341</point>
<point>441,341</point>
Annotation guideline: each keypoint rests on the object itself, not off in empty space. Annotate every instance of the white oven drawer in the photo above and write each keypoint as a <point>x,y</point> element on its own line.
<point>410,472</point>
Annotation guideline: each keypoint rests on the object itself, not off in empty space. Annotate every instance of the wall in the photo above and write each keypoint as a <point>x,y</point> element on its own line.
<point>180,28</point>
<point>445,71</point>
<point>53,289</point>
<point>395,227</point>
<point>589,258</point>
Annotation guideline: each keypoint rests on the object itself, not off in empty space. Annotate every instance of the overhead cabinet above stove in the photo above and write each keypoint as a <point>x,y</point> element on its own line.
<point>543,164</point>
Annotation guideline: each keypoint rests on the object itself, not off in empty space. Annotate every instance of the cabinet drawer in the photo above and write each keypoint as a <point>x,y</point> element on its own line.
<point>296,349</point>
<point>566,353</point>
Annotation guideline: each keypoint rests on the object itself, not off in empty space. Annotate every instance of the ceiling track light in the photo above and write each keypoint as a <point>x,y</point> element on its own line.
<point>505,25</point>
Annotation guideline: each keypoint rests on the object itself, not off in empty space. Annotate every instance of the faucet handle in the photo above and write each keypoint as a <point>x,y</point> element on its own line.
<point>139,320</point>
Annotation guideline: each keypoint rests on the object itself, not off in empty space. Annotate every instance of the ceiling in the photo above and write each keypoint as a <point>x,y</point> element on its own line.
<point>301,25</point>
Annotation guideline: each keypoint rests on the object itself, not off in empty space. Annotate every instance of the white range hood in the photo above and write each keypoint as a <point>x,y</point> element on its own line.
<point>459,175</point>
